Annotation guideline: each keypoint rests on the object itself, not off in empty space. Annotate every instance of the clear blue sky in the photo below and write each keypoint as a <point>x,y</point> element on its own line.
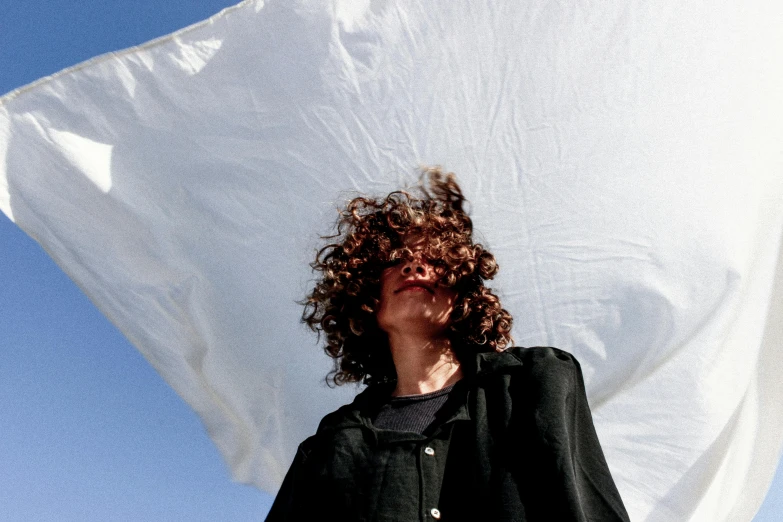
<point>88,431</point>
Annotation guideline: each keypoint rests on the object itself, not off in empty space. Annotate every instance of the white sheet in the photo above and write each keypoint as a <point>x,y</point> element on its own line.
<point>623,162</point>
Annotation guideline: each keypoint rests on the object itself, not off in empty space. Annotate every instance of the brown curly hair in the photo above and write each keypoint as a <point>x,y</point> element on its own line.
<point>370,237</point>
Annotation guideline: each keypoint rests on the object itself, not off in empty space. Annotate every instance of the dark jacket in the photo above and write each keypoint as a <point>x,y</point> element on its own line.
<point>516,442</point>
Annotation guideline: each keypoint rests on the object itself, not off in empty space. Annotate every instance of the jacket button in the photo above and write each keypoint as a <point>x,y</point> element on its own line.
<point>429,451</point>
<point>435,513</point>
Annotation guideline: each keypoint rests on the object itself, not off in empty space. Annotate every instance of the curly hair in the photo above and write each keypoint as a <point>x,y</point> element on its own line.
<point>370,237</point>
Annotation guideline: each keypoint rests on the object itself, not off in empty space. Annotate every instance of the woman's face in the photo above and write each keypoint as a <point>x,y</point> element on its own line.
<point>412,300</point>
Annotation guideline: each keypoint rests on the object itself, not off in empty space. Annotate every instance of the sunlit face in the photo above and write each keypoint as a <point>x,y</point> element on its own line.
<point>412,301</point>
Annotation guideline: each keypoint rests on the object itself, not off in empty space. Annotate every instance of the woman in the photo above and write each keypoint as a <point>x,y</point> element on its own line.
<point>452,425</point>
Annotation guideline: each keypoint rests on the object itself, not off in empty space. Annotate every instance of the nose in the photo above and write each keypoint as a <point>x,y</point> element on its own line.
<point>415,265</point>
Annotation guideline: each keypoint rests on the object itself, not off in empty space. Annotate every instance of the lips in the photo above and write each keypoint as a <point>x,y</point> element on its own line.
<point>413,286</point>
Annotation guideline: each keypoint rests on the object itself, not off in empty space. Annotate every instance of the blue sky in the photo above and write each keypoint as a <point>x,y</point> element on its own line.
<point>89,431</point>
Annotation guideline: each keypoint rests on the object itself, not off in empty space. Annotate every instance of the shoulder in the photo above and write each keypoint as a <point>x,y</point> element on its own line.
<point>536,358</point>
<point>331,424</point>
<point>540,355</point>
<point>354,414</point>
<point>539,370</point>
<point>345,425</point>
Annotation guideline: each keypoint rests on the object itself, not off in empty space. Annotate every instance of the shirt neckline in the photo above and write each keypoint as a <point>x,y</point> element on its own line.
<point>422,396</point>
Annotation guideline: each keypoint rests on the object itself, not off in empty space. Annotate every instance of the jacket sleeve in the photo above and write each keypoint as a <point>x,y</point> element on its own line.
<point>289,499</point>
<point>566,474</point>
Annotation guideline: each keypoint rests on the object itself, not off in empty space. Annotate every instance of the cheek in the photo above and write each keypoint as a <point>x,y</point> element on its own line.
<point>386,279</point>
<point>385,290</point>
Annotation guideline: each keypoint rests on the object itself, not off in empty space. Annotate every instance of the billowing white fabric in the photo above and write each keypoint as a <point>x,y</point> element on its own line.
<point>622,159</point>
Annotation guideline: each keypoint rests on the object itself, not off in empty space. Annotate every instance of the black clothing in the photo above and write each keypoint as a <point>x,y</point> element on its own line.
<point>413,413</point>
<point>515,442</point>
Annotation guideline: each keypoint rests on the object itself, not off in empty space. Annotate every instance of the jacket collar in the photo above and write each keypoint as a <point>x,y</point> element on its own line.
<point>360,412</point>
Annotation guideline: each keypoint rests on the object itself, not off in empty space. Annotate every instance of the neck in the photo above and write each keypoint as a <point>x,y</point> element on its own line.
<point>423,365</point>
